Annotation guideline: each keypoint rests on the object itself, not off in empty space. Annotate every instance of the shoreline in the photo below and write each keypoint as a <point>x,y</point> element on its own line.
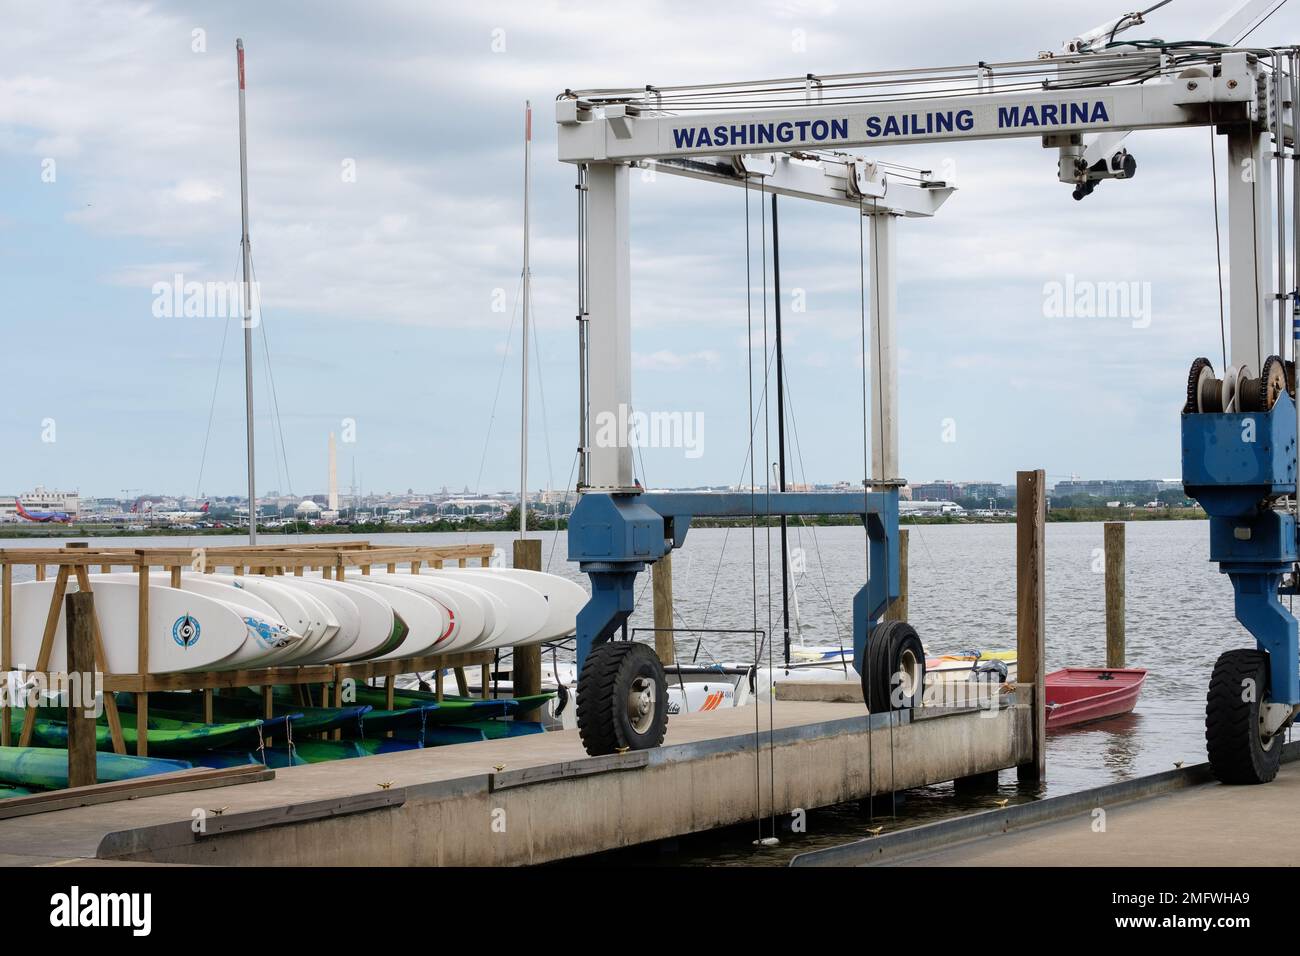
<point>1077,515</point>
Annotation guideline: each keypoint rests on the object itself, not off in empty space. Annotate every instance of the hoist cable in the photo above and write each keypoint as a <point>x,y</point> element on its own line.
<point>1254,243</point>
<point>767,523</point>
<point>866,557</point>
<point>753,532</point>
<point>884,458</point>
<point>1218,250</point>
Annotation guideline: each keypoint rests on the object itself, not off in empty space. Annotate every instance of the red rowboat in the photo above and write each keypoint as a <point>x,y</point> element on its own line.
<point>1080,695</point>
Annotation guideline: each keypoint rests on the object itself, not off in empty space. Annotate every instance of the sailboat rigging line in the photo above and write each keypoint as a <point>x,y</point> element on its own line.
<point>1218,249</point>
<point>753,428</point>
<point>803,469</point>
<point>541,395</point>
<point>275,451</point>
<point>568,487</point>
<point>637,442</point>
<point>492,417</point>
<point>275,397</point>
<point>1260,23</point>
<point>212,406</point>
<point>753,527</point>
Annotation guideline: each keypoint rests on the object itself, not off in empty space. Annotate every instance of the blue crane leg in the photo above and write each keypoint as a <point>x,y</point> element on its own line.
<point>1240,466</point>
<point>1275,630</point>
<point>874,597</point>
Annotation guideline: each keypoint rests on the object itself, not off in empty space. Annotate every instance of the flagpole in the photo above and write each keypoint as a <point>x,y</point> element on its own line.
<point>247,310</point>
<point>523,433</point>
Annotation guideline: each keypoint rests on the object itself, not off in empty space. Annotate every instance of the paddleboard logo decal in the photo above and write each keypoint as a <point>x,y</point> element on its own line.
<point>270,635</point>
<point>185,631</point>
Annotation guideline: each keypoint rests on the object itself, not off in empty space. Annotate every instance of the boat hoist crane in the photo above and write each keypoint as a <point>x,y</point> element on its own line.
<point>795,137</point>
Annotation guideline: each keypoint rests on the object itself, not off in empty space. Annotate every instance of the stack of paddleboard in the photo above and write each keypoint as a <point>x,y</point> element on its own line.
<point>228,622</point>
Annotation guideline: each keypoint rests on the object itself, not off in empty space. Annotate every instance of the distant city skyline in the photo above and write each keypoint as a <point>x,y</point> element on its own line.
<point>446,490</point>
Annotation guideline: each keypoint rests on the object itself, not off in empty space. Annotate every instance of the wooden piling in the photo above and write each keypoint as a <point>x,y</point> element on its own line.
<point>1114,538</point>
<point>526,671</point>
<point>80,618</point>
<point>662,575</point>
<point>6,648</point>
<point>897,610</point>
<point>1031,521</point>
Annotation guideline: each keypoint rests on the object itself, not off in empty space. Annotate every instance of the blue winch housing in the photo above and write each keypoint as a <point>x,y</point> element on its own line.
<point>1238,465</point>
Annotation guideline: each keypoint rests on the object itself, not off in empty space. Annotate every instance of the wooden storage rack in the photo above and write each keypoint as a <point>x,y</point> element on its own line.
<point>334,560</point>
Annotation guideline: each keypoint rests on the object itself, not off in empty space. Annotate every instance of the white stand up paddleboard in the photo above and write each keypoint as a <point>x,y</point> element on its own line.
<point>564,599</point>
<point>527,608</point>
<point>463,607</point>
<point>187,631</point>
<point>268,641</point>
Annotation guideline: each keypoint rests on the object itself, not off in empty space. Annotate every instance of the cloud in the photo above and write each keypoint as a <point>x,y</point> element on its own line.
<point>385,174</point>
<point>666,360</point>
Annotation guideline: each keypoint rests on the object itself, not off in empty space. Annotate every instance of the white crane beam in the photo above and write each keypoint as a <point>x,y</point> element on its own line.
<point>841,181</point>
<point>628,132</point>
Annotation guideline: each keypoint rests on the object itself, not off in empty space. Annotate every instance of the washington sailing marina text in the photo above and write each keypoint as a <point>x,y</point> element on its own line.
<point>884,125</point>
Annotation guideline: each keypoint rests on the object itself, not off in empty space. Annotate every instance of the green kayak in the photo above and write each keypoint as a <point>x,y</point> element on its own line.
<point>450,710</point>
<point>474,730</point>
<point>7,791</point>
<point>318,751</point>
<point>238,706</point>
<point>167,735</point>
<point>410,696</point>
<point>46,768</point>
<point>273,757</point>
<point>303,752</point>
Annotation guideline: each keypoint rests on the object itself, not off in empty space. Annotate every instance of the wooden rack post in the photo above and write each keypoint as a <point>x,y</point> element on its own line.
<point>80,618</point>
<point>526,668</point>
<point>6,650</point>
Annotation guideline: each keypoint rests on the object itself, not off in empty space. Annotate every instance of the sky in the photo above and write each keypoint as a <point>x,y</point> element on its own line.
<point>385,157</point>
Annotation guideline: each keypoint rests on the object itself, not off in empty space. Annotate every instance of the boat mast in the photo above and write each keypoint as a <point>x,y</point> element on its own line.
<point>248,310</point>
<point>780,433</point>
<point>523,428</point>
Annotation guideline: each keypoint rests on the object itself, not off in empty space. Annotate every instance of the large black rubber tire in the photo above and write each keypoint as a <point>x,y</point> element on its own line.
<point>604,686</point>
<point>1238,688</point>
<point>892,646</point>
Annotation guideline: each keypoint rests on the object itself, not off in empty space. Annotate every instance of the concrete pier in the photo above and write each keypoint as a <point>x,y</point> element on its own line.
<point>1177,818</point>
<point>537,798</point>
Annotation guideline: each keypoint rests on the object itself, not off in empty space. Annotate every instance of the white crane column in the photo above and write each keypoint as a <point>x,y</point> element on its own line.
<point>1250,249</point>
<point>884,351</point>
<point>609,336</point>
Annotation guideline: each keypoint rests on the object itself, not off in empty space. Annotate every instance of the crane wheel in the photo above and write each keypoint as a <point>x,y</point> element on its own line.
<point>894,668</point>
<point>1239,751</point>
<point>622,698</point>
